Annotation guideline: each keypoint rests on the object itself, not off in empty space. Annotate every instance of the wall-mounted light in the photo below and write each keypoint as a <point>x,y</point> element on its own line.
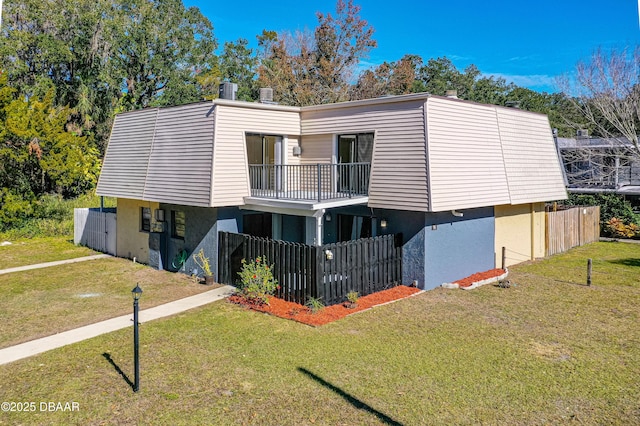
<point>297,151</point>
<point>327,217</point>
<point>383,223</point>
<point>328,254</point>
<point>456,213</point>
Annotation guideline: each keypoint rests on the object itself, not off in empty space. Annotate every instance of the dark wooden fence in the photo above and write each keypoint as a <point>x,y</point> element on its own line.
<point>327,272</point>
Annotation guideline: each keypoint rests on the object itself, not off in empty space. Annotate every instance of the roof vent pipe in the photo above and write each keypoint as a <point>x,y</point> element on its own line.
<point>453,94</point>
<point>228,90</point>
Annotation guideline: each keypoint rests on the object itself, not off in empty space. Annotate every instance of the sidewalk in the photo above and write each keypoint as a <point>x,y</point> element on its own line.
<point>34,347</point>
<point>56,263</point>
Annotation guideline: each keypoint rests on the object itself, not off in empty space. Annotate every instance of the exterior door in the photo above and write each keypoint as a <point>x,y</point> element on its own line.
<point>264,153</point>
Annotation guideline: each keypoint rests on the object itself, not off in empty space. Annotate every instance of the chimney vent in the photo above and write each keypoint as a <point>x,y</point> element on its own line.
<point>228,91</point>
<point>453,94</point>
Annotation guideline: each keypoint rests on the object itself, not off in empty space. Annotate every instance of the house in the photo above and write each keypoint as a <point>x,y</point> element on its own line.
<point>458,180</point>
<point>600,165</point>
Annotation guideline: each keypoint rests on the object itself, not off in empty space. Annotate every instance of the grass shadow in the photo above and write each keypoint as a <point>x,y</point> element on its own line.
<point>107,356</point>
<point>633,262</point>
<point>351,399</point>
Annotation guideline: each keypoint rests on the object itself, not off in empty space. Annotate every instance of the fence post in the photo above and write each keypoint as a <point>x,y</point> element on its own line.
<point>589,267</point>
<point>504,257</point>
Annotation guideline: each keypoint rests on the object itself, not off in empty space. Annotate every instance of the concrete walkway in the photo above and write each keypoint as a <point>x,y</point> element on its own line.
<point>24,350</point>
<point>56,263</point>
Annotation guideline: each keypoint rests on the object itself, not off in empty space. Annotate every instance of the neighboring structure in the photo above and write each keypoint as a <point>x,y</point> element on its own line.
<point>458,179</point>
<point>599,165</point>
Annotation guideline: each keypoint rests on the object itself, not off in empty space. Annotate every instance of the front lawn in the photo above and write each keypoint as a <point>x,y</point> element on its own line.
<point>46,301</point>
<point>548,350</point>
<point>40,250</point>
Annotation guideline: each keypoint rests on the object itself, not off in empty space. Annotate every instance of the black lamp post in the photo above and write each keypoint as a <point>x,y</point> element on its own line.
<point>137,292</point>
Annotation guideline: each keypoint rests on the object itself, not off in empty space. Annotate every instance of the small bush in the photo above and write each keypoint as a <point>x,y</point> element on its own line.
<point>256,280</point>
<point>619,229</point>
<point>314,304</point>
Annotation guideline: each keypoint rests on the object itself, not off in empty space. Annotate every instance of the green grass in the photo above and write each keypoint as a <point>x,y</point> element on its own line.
<point>40,250</point>
<point>545,351</point>
<point>45,301</point>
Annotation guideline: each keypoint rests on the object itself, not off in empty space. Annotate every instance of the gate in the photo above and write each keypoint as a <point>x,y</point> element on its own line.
<point>95,229</point>
<point>327,272</point>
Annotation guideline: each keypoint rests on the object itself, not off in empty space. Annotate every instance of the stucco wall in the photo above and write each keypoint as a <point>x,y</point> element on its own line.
<point>521,229</point>
<point>130,240</point>
<point>456,247</point>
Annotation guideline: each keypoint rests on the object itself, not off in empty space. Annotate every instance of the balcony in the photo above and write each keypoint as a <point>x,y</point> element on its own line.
<point>310,183</point>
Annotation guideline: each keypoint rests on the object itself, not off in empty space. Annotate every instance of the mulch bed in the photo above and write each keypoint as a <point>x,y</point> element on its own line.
<point>468,281</point>
<point>297,312</point>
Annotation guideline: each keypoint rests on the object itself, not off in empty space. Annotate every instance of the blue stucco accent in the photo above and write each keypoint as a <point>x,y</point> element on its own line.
<point>458,246</point>
<point>202,226</point>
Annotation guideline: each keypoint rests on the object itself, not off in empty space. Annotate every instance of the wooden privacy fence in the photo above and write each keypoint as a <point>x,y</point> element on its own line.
<point>570,228</point>
<point>95,229</point>
<point>326,272</point>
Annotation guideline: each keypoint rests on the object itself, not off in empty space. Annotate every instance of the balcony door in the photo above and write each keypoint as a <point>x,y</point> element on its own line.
<point>264,153</point>
<point>357,148</point>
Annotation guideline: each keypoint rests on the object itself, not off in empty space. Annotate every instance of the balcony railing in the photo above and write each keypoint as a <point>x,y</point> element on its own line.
<point>309,182</point>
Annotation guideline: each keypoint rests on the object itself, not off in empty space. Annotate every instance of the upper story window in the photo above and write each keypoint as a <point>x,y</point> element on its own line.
<point>178,224</point>
<point>355,148</point>
<point>145,219</point>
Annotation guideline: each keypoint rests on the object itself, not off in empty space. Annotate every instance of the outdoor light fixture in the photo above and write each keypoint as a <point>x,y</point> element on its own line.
<point>136,292</point>
<point>327,217</point>
<point>383,223</point>
<point>328,254</point>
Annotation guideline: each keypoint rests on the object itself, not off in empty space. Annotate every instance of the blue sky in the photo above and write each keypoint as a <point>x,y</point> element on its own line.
<point>527,42</point>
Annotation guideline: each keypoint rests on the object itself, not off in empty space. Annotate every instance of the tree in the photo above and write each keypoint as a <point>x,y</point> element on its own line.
<point>605,89</point>
<point>103,55</point>
<point>158,46</point>
<point>395,78</point>
<point>39,154</point>
<point>238,64</point>
<point>307,69</point>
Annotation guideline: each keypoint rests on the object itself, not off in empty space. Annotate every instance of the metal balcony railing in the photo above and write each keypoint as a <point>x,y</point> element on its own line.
<point>309,182</point>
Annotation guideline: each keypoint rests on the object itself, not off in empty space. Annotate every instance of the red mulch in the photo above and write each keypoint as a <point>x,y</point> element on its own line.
<point>297,312</point>
<point>468,281</point>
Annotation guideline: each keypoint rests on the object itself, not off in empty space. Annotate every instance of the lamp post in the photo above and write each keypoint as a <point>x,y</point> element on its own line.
<point>136,292</point>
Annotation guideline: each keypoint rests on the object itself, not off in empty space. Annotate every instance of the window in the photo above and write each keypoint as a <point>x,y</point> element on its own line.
<point>356,148</point>
<point>145,219</point>
<point>177,224</point>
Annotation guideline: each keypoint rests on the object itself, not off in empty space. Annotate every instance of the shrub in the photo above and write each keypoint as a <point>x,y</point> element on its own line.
<point>621,230</point>
<point>314,304</point>
<point>611,206</point>
<point>257,283</point>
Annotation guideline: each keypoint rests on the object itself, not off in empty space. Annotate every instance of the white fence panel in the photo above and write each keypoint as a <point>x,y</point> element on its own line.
<point>95,229</point>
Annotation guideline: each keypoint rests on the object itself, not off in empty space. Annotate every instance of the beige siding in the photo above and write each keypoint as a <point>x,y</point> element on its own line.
<point>465,156</point>
<point>530,157</point>
<point>130,240</point>
<point>316,149</point>
<point>398,172</point>
<point>125,164</point>
<point>292,141</point>
<point>181,156</point>
<point>230,171</point>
